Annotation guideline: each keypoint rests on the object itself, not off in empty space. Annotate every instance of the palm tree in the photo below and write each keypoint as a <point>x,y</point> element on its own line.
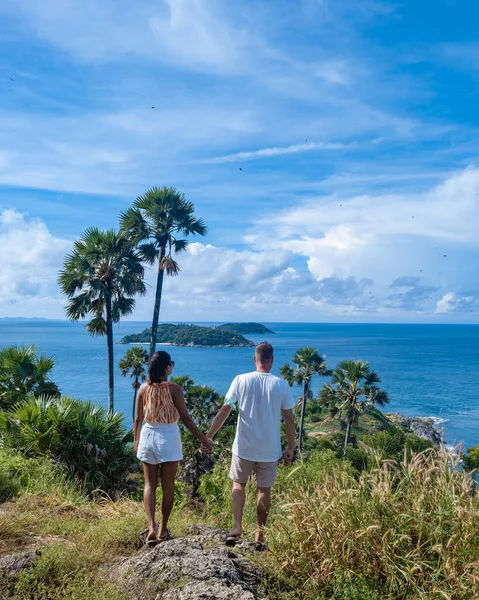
<point>353,388</point>
<point>133,364</point>
<point>154,223</point>
<point>100,276</point>
<point>308,362</point>
<point>22,373</point>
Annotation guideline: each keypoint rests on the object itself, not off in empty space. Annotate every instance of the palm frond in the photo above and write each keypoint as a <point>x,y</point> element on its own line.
<point>97,326</point>
<point>170,266</point>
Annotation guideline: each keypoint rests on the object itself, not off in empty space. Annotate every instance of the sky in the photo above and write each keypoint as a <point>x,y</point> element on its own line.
<point>331,146</point>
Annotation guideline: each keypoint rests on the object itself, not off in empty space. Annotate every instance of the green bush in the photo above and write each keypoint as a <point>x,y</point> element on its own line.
<point>92,444</point>
<point>471,458</point>
<point>35,475</point>
<point>394,442</point>
<point>22,372</point>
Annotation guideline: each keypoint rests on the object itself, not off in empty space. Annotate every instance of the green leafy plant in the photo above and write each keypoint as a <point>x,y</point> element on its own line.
<point>22,372</point>
<point>471,458</point>
<point>92,444</point>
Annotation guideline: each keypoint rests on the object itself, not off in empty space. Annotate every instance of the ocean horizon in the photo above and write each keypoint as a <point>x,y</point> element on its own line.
<point>428,370</point>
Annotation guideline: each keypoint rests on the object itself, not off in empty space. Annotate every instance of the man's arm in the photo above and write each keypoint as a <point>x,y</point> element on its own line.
<point>218,422</point>
<point>288,454</point>
<point>179,400</point>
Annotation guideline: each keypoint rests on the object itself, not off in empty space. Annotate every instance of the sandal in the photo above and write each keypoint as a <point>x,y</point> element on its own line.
<point>232,539</point>
<point>260,547</point>
<point>151,542</point>
<point>166,537</point>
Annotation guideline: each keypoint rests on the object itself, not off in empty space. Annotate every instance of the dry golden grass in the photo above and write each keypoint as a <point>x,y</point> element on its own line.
<point>408,530</point>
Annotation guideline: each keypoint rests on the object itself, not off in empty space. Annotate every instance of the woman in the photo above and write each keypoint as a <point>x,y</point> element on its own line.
<point>160,404</point>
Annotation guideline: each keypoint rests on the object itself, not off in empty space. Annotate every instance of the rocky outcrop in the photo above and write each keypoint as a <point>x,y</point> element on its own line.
<point>194,567</point>
<point>12,564</point>
<point>423,427</point>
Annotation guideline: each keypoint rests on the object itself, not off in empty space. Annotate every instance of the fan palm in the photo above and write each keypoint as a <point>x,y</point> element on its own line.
<point>308,362</point>
<point>133,364</point>
<point>353,388</point>
<point>100,276</point>
<point>157,222</point>
<point>92,444</point>
<point>22,373</point>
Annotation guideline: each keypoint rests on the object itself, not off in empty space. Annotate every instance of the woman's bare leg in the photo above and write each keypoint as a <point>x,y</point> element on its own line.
<point>149,497</point>
<point>168,476</point>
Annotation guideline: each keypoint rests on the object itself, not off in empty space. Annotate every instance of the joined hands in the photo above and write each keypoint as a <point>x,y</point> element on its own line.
<point>207,445</point>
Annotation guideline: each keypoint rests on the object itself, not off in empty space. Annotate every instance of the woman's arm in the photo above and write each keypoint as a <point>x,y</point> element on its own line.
<point>179,400</point>
<point>139,417</point>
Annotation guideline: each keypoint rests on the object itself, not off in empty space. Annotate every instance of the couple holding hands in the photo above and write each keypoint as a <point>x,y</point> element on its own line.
<point>260,399</point>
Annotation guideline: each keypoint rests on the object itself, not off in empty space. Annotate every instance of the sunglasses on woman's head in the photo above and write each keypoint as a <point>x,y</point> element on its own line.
<point>172,363</point>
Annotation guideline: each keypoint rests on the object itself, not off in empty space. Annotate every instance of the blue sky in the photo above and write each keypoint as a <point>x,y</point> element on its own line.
<point>331,146</point>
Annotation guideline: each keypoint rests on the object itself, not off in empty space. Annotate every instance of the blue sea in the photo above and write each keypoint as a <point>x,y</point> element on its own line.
<point>427,370</point>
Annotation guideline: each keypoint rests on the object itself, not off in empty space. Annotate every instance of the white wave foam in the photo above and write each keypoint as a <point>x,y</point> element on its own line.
<point>436,420</point>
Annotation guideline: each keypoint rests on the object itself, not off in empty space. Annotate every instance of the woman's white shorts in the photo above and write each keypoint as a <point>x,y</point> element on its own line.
<point>160,443</point>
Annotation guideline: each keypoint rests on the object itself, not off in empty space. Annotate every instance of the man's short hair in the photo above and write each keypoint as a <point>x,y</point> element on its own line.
<point>264,351</point>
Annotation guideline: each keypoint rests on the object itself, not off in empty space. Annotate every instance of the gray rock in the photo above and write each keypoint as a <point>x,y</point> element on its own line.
<point>12,564</point>
<point>194,469</point>
<point>193,567</point>
<point>205,534</point>
<point>422,427</point>
<point>207,590</point>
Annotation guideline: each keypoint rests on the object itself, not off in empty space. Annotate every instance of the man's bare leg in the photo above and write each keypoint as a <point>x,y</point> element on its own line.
<point>262,511</point>
<point>239,496</point>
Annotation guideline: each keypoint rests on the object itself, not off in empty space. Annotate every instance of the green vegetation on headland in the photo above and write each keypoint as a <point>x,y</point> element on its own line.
<point>390,518</point>
<point>247,328</point>
<point>190,335</point>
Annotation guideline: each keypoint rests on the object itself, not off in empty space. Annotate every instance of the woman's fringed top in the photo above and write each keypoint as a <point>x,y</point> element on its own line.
<point>158,405</point>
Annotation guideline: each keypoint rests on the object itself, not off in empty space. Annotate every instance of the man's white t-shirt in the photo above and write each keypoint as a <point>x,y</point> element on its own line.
<point>260,397</point>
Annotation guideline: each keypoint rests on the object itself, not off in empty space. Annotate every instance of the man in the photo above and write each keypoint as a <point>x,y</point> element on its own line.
<point>260,398</point>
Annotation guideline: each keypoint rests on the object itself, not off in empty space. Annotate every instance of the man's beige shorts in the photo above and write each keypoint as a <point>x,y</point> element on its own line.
<point>241,469</point>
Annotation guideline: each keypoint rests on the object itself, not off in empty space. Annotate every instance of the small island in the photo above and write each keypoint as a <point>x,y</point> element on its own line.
<point>191,335</point>
<point>246,328</point>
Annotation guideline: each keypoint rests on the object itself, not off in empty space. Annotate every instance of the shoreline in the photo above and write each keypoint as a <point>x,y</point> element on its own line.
<point>423,427</point>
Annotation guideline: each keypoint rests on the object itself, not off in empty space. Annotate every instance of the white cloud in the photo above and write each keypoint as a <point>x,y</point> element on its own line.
<point>385,236</point>
<point>195,34</point>
<point>457,303</point>
<point>31,259</point>
<point>446,303</point>
<point>278,151</point>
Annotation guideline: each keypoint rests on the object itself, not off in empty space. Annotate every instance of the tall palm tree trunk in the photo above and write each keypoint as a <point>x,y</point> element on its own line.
<point>109,343</point>
<point>135,392</point>
<point>303,408</point>
<point>156,310</point>
<point>346,437</point>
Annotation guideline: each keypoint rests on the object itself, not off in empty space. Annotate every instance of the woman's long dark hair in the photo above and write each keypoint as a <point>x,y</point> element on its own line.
<point>159,362</point>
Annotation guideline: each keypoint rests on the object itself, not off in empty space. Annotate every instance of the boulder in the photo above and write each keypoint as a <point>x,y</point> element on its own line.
<point>200,566</point>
